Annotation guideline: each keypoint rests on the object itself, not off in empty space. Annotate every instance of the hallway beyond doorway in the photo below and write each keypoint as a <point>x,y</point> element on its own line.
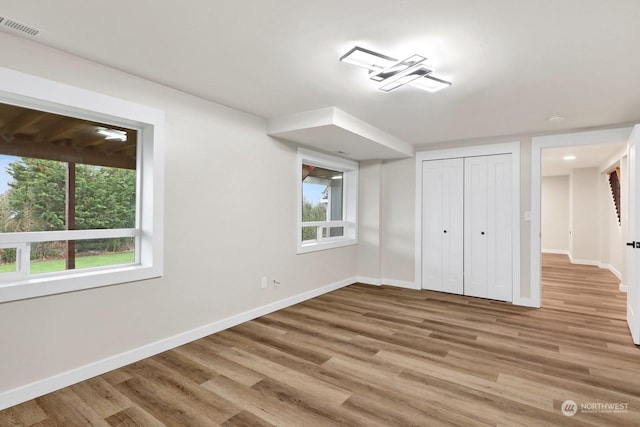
<point>581,289</point>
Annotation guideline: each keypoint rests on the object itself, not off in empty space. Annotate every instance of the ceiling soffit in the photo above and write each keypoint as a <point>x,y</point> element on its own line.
<point>333,131</point>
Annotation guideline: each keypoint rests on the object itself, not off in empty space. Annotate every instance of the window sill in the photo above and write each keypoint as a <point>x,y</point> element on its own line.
<point>78,280</point>
<point>304,248</point>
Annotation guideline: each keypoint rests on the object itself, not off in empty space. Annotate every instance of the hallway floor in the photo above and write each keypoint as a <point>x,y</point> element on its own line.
<point>582,289</point>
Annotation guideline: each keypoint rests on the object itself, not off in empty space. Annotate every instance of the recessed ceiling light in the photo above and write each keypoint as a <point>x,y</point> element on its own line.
<point>556,118</point>
<point>569,157</point>
<point>392,74</point>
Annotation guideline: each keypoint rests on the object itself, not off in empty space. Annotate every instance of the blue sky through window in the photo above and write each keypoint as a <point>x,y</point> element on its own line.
<point>4,175</point>
<point>312,192</point>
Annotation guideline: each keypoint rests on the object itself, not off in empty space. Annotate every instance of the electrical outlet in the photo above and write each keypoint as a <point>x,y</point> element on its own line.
<point>264,282</point>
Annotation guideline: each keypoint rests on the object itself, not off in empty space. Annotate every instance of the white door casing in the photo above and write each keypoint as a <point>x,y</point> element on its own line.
<point>442,225</point>
<point>537,145</point>
<point>633,236</point>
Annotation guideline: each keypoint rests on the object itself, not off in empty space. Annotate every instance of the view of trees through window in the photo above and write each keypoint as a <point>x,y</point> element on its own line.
<point>34,199</point>
<point>322,201</point>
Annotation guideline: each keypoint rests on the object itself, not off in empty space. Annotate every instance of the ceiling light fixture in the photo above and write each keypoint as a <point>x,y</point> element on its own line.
<point>556,118</point>
<point>392,73</point>
<point>569,157</point>
<point>112,134</point>
<point>397,68</point>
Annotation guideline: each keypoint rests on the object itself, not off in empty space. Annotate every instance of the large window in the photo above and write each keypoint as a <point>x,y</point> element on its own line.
<point>327,201</point>
<point>42,194</point>
<point>80,189</point>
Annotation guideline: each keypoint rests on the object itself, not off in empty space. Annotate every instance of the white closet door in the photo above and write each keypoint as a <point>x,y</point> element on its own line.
<point>499,228</point>
<point>475,239</point>
<point>487,227</point>
<point>442,227</point>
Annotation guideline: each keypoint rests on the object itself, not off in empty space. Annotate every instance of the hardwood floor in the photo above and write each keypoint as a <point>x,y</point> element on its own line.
<point>581,289</point>
<point>378,356</point>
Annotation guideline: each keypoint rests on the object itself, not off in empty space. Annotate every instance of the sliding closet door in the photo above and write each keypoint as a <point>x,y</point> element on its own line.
<point>488,227</point>
<point>442,225</point>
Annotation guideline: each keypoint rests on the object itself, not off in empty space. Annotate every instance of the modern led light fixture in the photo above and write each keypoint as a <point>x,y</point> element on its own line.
<point>392,73</point>
<point>112,134</point>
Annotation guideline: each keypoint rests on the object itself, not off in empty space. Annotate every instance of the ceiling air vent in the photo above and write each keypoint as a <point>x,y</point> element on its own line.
<point>10,24</point>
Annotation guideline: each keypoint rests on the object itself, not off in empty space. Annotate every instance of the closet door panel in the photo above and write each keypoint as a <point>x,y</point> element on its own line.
<point>499,228</point>
<point>432,225</point>
<point>442,225</point>
<point>475,223</point>
<point>453,226</point>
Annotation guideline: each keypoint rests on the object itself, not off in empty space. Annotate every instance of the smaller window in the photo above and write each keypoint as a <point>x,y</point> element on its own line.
<point>327,201</point>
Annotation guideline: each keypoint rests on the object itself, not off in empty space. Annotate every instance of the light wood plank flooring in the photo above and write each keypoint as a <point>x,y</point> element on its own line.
<point>583,289</point>
<point>373,356</point>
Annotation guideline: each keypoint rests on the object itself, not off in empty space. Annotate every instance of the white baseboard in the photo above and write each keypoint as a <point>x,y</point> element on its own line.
<point>400,284</point>
<point>39,388</point>
<point>368,280</point>
<point>585,262</point>
<point>525,302</point>
<point>615,272</point>
<point>388,282</point>
<point>623,288</point>
<point>555,251</point>
<point>597,264</point>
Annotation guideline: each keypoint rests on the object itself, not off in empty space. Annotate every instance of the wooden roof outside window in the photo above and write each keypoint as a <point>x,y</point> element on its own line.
<point>31,133</point>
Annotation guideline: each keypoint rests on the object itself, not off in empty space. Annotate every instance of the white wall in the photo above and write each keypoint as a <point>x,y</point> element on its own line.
<point>555,214</point>
<point>229,219</point>
<point>584,215</point>
<point>369,194</point>
<point>398,213</point>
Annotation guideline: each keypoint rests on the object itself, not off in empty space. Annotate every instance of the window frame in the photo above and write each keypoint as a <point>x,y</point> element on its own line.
<point>29,91</point>
<point>349,220</point>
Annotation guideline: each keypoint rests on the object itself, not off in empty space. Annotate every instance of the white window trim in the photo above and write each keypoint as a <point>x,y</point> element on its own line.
<point>29,91</point>
<point>349,169</point>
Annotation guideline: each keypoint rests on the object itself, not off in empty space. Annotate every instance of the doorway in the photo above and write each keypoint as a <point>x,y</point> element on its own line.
<point>582,236</point>
<point>582,246</point>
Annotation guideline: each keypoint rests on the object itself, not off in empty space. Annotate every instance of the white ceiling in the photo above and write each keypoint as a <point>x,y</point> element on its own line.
<point>513,64</point>
<point>587,156</point>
